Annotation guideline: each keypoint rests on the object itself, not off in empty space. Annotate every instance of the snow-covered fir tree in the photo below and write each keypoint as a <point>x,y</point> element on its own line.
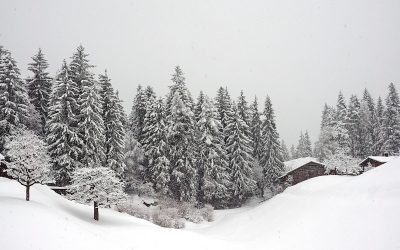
<point>223,104</point>
<point>326,143</point>
<point>155,146</point>
<point>353,126</point>
<point>91,126</point>
<point>134,164</point>
<point>39,86</point>
<point>96,184</point>
<point>180,138</point>
<point>285,151</point>
<point>240,158</point>
<point>30,162</point>
<point>293,152</point>
<point>179,85</point>
<point>373,122</point>
<point>365,138</point>
<point>300,150</point>
<point>243,108</point>
<point>391,122</point>
<point>378,128</point>
<point>114,131</point>
<point>341,132</point>
<point>255,129</point>
<point>199,105</point>
<point>214,175</point>
<point>271,158</point>
<point>136,117</point>
<point>62,133</point>
<point>304,147</point>
<point>80,69</point>
<point>13,94</point>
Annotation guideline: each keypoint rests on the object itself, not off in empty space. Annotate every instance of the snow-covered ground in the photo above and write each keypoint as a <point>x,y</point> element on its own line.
<point>329,212</point>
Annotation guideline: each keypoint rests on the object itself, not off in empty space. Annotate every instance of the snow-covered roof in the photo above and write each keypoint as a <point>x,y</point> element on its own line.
<point>297,163</point>
<point>382,159</point>
<point>1,157</point>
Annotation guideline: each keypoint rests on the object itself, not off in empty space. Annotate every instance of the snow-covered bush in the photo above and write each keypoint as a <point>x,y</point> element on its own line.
<point>134,210</point>
<point>207,212</point>
<point>30,163</point>
<point>342,164</point>
<point>96,184</point>
<point>168,217</point>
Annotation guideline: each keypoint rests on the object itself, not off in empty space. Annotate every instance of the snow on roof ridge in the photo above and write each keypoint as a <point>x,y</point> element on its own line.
<point>2,157</point>
<point>299,162</point>
<point>380,158</point>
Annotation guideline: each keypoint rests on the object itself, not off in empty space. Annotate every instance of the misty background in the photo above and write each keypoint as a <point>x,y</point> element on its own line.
<point>300,53</point>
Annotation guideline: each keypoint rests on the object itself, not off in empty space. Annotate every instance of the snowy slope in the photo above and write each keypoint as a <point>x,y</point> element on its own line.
<point>329,212</point>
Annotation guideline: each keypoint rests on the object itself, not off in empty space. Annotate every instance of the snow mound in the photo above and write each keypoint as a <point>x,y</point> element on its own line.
<point>327,212</point>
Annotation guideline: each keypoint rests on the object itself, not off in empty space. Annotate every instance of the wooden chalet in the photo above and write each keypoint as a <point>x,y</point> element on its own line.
<point>374,161</point>
<point>301,169</point>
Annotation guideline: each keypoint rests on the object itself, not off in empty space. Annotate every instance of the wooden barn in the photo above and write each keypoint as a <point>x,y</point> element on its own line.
<point>302,169</point>
<point>374,161</point>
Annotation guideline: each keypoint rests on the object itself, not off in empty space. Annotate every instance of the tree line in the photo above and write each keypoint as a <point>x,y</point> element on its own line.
<point>217,151</point>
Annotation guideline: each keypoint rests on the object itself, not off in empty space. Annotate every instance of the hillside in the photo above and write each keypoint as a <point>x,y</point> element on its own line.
<point>329,212</point>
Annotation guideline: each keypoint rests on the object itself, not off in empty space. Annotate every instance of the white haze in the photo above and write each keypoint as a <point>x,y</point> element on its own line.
<point>301,53</point>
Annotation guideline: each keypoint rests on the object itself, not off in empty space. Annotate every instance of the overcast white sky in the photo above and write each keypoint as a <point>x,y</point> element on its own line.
<point>301,53</point>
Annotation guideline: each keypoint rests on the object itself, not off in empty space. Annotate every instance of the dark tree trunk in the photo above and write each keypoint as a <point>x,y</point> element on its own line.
<point>27,193</point>
<point>96,210</point>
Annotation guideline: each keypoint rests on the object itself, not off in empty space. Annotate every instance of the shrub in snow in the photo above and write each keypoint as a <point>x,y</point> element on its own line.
<point>168,217</point>
<point>134,210</point>
<point>98,185</point>
<point>207,212</point>
<point>342,164</point>
<point>30,163</point>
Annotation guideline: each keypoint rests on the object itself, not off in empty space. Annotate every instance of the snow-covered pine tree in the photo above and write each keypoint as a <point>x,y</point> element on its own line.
<point>136,118</point>
<point>181,144</point>
<point>240,158</point>
<point>199,105</point>
<point>13,94</point>
<point>300,146</point>
<point>326,143</point>
<point>96,184</point>
<point>307,145</point>
<point>255,129</point>
<point>80,69</point>
<point>391,122</point>
<point>134,163</point>
<point>285,151</point>
<point>328,116</point>
<point>39,86</point>
<point>293,154</point>
<point>353,126</point>
<point>30,163</point>
<point>62,134</point>
<point>365,144</point>
<point>373,122</point>
<point>155,146</point>
<point>342,135</point>
<point>114,131</point>
<point>271,159</point>
<point>91,125</point>
<point>243,108</point>
<point>214,175</point>
<point>304,148</point>
<point>179,85</point>
<point>378,128</point>
<point>224,107</point>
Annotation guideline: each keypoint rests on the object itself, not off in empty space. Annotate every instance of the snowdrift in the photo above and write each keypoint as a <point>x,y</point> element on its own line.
<point>329,212</point>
